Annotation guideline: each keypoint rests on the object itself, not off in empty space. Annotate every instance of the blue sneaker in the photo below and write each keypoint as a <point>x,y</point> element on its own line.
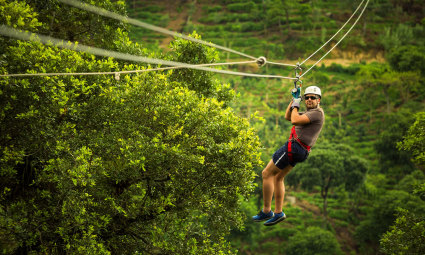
<point>263,216</point>
<point>278,217</point>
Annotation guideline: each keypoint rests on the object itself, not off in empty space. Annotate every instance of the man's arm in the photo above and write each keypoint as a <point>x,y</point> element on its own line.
<point>297,119</point>
<point>288,112</point>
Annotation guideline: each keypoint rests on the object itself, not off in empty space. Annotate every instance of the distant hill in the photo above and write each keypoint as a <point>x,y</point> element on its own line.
<point>277,29</point>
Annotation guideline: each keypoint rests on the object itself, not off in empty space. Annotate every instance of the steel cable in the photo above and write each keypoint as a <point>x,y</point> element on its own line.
<point>358,7</point>
<point>11,32</point>
<point>109,14</point>
<point>358,18</point>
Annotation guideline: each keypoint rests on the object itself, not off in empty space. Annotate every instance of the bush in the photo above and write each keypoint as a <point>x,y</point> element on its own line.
<point>341,214</point>
<point>211,9</point>
<point>320,78</point>
<point>337,68</point>
<point>242,7</point>
<point>313,241</point>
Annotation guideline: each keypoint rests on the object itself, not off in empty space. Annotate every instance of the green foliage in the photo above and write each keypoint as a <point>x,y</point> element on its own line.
<point>313,240</point>
<point>242,7</point>
<point>414,140</point>
<point>408,58</point>
<point>18,14</point>
<point>411,182</point>
<point>406,236</point>
<point>91,165</point>
<point>194,53</point>
<point>330,165</point>
<point>379,217</point>
<point>394,38</point>
<point>94,165</point>
<point>68,23</point>
<point>393,162</point>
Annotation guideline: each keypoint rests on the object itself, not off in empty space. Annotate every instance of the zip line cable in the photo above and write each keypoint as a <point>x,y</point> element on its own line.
<point>355,22</point>
<point>358,7</point>
<point>106,13</point>
<point>117,73</point>
<point>109,14</point>
<point>11,32</point>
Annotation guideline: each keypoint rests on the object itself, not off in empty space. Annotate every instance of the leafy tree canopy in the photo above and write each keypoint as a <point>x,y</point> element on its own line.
<point>94,165</point>
<point>406,236</point>
<point>415,139</point>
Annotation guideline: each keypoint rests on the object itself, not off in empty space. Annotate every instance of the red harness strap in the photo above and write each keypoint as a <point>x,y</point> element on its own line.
<point>293,137</point>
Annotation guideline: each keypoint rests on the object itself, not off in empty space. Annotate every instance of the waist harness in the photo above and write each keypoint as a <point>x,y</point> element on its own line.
<point>294,137</point>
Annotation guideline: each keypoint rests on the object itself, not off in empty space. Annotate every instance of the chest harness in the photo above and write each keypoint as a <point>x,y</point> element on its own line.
<point>294,138</point>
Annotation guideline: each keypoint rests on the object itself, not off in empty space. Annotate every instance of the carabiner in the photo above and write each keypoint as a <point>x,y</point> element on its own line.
<point>296,91</point>
<point>298,70</point>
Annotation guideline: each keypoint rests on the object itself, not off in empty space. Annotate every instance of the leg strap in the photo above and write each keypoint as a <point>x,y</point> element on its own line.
<point>290,151</point>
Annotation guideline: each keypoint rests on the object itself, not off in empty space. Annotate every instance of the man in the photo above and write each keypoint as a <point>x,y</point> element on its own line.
<point>306,129</point>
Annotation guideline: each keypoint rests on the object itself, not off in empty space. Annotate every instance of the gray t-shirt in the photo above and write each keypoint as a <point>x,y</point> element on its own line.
<point>309,133</point>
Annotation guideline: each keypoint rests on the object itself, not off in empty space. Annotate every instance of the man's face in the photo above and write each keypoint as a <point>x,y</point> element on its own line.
<point>311,101</point>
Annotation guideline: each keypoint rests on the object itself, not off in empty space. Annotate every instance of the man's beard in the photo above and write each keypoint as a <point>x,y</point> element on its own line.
<point>312,107</point>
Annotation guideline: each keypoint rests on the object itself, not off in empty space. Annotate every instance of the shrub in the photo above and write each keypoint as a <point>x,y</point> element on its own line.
<point>313,241</point>
<point>242,7</point>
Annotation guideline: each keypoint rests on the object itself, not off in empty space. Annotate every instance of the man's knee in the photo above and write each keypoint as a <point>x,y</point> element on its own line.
<point>266,173</point>
<point>270,171</point>
<point>281,175</point>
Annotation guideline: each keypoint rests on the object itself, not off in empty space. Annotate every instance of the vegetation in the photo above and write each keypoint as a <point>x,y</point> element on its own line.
<point>92,165</point>
<point>169,162</point>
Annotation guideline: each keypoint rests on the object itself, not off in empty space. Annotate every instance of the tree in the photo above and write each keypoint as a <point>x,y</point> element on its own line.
<point>70,23</point>
<point>94,165</point>
<point>393,162</point>
<point>329,166</point>
<point>314,241</point>
<point>379,80</point>
<point>414,140</point>
<point>407,58</point>
<point>406,236</point>
<point>287,6</point>
<point>381,216</point>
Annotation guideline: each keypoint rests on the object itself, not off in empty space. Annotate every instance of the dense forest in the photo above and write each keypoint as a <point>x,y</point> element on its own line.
<point>170,161</point>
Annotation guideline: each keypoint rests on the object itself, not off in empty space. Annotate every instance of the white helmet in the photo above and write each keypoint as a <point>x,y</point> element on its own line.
<point>313,90</point>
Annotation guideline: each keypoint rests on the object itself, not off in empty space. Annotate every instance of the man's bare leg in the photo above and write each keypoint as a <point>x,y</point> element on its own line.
<point>273,183</point>
<point>279,188</point>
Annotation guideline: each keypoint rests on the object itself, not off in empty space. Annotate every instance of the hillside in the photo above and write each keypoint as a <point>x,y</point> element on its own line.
<point>360,110</point>
<point>275,30</point>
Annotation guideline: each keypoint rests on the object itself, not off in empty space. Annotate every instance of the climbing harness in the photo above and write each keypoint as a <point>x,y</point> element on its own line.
<point>294,138</point>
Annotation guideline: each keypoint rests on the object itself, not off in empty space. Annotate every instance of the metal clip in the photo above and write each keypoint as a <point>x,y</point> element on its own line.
<point>298,71</point>
<point>296,91</point>
<point>261,61</point>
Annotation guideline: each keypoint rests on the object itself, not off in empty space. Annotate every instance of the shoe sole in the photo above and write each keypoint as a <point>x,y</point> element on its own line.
<point>263,219</point>
<point>275,222</point>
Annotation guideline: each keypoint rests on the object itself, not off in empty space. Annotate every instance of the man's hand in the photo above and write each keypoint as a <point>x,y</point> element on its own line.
<point>296,92</point>
<point>296,103</point>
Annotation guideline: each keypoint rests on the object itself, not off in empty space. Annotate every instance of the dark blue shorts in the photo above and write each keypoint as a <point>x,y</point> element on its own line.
<point>281,159</point>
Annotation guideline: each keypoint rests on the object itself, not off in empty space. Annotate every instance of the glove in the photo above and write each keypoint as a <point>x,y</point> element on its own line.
<point>296,103</point>
<point>296,92</point>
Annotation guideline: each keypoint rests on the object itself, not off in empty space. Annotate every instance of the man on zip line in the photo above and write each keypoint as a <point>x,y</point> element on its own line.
<point>304,133</point>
